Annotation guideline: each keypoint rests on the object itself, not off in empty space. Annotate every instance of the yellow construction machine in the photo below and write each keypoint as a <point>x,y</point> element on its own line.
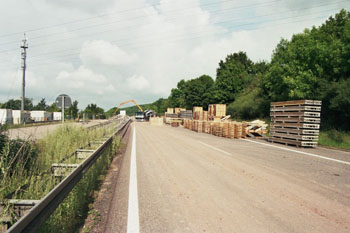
<point>139,116</point>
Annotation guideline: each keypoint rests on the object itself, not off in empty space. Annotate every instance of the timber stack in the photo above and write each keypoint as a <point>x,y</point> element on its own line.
<point>213,122</point>
<point>296,122</point>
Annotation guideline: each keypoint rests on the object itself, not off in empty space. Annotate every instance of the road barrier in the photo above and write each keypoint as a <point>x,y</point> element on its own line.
<point>32,221</point>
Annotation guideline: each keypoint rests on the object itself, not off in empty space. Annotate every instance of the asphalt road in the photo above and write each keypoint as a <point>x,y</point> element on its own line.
<point>190,182</point>
<point>37,132</point>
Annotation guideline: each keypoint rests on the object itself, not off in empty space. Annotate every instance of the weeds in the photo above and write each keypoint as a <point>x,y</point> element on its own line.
<point>25,172</point>
<point>335,138</point>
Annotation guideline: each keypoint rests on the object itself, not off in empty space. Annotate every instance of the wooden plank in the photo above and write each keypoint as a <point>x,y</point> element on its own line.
<point>297,102</point>
<point>295,125</point>
<point>295,131</point>
<point>296,137</point>
<point>291,114</point>
<point>295,120</point>
<point>293,142</point>
<point>295,109</point>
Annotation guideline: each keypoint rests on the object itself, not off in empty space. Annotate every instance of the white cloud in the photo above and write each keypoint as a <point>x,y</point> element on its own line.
<point>137,83</point>
<point>141,53</point>
<point>80,78</point>
<point>105,53</point>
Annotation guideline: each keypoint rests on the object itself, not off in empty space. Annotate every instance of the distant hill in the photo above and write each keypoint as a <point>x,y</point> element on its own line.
<point>159,106</point>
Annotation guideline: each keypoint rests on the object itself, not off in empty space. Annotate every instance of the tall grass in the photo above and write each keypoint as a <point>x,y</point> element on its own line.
<point>335,138</point>
<point>33,170</point>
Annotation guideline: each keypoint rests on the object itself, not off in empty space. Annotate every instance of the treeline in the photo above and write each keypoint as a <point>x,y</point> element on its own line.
<point>73,112</point>
<point>314,64</point>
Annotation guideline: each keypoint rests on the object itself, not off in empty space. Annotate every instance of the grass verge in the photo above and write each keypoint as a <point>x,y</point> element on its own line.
<point>335,138</point>
<point>29,164</point>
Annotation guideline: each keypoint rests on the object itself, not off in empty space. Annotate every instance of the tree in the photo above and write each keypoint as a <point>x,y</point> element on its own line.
<point>41,105</point>
<point>73,109</point>
<point>177,95</point>
<point>53,108</point>
<point>198,92</point>
<point>16,104</point>
<point>232,76</point>
<point>315,64</point>
<point>93,111</point>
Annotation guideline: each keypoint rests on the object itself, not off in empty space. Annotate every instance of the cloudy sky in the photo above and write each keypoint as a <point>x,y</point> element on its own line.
<point>108,51</point>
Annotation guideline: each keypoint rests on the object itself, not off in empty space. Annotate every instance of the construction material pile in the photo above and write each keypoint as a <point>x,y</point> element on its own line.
<point>216,111</point>
<point>228,129</point>
<point>256,128</point>
<point>186,114</point>
<point>213,122</point>
<point>156,121</point>
<point>296,122</point>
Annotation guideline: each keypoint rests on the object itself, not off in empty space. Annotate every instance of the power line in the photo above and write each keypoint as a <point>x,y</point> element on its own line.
<point>235,26</point>
<point>139,17</point>
<point>191,38</point>
<point>232,27</point>
<point>97,16</point>
<point>137,26</point>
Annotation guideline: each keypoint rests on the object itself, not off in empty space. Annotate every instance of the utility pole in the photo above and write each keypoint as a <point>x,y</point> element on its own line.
<point>24,47</point>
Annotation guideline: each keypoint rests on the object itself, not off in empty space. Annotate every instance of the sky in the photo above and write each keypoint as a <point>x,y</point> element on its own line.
<point>109,51</point>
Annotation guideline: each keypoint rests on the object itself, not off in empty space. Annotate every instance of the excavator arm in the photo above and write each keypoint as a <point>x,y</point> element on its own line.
<point>128,101</point>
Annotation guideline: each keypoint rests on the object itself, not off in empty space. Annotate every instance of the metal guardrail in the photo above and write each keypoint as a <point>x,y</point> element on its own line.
<point>32,221</point>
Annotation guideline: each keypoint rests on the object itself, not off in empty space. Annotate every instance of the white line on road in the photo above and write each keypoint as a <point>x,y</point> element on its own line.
<point>214,148</point>
<point>133,209</point>
<point>300,152</point>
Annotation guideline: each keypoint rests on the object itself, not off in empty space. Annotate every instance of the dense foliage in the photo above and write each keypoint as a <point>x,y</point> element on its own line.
<point>314,64</point>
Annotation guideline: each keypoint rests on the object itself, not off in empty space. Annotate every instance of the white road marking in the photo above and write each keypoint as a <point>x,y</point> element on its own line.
<point>214,148</point>
<point>301,152</point>
<point>133,209</point>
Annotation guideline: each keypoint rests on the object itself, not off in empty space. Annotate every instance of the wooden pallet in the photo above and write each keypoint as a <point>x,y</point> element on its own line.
<point>293,142</point>
<point>297,102</point>
<point>295,126</point>
<point>295,137</point>
<point>295,109</point>
<point>295,131</point>
<point>295,120</point>
<point>298,114</point>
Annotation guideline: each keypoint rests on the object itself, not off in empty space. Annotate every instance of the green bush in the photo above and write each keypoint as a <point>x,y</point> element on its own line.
<point>335,138</point>
<point>249,105</point>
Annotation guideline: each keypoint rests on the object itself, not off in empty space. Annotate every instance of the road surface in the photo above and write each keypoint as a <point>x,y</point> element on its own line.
<point>37,132</point>
<point>176,180</point>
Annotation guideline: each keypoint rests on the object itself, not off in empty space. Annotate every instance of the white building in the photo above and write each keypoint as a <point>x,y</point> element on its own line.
<point>122,113</point>
<point>5,116</point>
<point>19,116</point>
<point>57,116</point>
<point>40,116</point>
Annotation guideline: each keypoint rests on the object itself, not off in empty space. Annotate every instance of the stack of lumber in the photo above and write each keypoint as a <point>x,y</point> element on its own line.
<point>216,111</point>
<point>156,121</point>
<point>170,111</point>
<point>186,114</point>
<point>175,124</point>
<point>228,129</point>
<point>178,110</point>
<point>171,115</point>
<point>197,113</point>
<point>296,122</point>
<point>256,128</point>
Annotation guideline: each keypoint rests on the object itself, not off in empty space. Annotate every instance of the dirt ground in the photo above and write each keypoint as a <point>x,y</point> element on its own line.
<point>98,214</point>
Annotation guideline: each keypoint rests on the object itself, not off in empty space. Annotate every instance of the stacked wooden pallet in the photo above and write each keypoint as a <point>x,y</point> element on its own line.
<point>228,129</point>
<point>296,122</point>
<point>186,114</point>
<point>216,111</point>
